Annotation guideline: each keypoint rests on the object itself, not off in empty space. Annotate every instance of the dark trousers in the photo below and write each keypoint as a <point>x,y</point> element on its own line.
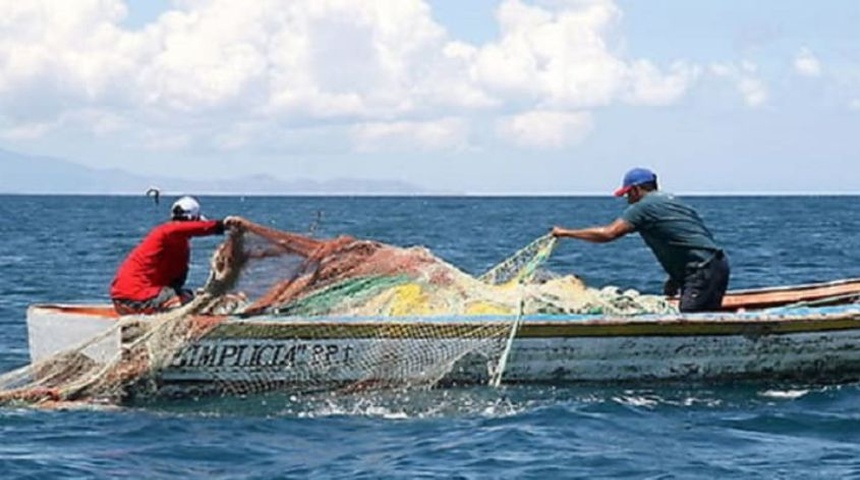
<point>705,285</point>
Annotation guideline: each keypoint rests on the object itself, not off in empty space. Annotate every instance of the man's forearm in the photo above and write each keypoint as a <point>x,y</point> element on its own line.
<point>593,234</point>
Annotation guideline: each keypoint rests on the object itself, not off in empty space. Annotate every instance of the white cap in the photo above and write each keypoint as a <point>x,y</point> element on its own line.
<point>186,208</point>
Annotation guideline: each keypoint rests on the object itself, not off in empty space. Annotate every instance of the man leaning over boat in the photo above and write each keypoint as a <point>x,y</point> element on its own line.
<point>676,235</point>
<point>152,277</point>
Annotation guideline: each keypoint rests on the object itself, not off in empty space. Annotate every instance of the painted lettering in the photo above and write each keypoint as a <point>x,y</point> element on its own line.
<point>257,359</point>
<point>186,357</point>
<point>330,351</point>
<point>208,355</point>
<point>277,355</point>
<point>228,352</point>
<point>318,351</point>
<point>289,354</point>
<point>240,355</point>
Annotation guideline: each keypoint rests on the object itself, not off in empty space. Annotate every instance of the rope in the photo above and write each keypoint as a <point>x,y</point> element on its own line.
<point>519,268</point>
<point>496,379</point>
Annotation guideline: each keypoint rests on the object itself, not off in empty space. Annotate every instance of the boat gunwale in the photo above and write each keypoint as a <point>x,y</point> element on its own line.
<point>775,315</point>
<point>106,310</point>
<point>326,328</point>
<point>801,286</point>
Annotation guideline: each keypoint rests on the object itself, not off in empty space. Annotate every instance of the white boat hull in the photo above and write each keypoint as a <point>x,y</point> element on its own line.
<point>267,353</point>
<point>50,331</point>
<point>545,360</point>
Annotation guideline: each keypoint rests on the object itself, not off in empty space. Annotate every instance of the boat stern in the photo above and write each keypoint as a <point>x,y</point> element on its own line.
<point>55,328</point>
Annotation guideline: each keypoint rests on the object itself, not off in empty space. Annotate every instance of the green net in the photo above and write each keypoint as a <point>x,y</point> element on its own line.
<point>522,266</point>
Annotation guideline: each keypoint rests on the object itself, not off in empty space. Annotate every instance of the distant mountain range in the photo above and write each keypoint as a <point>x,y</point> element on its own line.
<point>25,174</point>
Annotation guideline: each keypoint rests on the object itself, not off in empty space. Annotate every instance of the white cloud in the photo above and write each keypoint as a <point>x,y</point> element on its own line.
<point>101,123</point>
<point>26,131</point>
<point>806,64</point>
<point>746,79</point>
<point>564,58</point>
<point>375,65</point>
<point>157,140</point>
<point>444,134</point>
<point>648,86</point>
<point>63,54</point>
<point>754,91</point>
<point>545,129</point>
<point>90,121</point>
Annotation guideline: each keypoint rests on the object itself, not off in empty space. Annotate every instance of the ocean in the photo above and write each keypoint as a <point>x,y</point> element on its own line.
<point>65,249</point>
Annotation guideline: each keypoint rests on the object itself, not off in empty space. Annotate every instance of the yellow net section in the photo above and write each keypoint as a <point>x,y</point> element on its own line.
<point>282,311</point>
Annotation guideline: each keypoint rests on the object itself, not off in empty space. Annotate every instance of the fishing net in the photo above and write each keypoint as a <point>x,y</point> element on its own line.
<point>282,311</point>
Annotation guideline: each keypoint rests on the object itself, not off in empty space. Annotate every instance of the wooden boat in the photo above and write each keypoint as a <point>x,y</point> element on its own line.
<point>805,332</point>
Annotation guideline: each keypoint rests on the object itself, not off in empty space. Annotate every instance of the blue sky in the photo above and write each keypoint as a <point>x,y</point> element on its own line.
<point>515,96</point>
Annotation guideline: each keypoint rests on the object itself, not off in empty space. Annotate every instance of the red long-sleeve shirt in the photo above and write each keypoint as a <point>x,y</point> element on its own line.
<point>160,260</point>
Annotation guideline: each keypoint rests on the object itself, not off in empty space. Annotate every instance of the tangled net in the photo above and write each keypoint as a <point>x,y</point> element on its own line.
<point>263,280</point>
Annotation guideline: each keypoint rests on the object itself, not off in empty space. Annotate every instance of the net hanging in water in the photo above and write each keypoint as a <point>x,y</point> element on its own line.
<point>275,286</point>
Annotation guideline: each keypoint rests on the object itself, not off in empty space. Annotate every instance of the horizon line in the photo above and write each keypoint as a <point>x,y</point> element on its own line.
<point>445,194</point>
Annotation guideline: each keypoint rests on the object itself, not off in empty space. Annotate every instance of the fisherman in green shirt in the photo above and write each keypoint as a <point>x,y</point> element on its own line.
<point>676,234</point>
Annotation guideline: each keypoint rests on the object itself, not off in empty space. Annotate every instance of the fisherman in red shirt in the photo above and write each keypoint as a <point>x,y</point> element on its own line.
<point>152,277</point>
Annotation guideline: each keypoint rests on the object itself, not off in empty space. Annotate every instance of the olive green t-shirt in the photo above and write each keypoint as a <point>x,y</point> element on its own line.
<point>674,232</point>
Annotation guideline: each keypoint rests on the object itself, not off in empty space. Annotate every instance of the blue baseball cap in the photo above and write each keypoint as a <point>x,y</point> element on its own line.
<point>634,177</point>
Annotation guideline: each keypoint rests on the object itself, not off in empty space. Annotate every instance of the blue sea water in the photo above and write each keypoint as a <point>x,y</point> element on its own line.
<point>66,249</point>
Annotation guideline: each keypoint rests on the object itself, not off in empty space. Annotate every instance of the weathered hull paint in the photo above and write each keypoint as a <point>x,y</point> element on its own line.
<point>812,356</point>
<point>804,344</point>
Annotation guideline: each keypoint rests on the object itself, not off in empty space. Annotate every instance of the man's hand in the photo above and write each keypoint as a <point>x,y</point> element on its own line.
<point>557,232</point>
<point>670,288</point>
<point>234,222</point>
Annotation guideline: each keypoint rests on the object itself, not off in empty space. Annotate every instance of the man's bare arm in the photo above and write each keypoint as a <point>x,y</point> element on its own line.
<point>606,233</point>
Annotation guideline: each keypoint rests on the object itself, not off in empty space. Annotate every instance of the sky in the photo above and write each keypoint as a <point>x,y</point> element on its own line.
<point>474,96</point>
